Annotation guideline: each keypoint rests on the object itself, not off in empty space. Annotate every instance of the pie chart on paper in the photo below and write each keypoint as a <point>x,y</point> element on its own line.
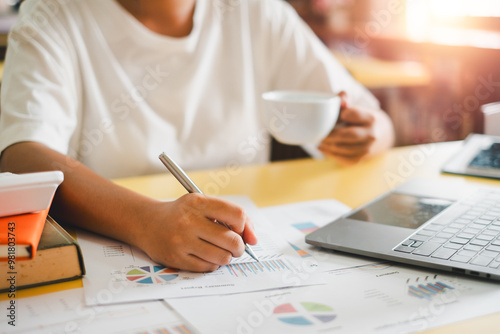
<point>151,274</point>
<point>304,313</point>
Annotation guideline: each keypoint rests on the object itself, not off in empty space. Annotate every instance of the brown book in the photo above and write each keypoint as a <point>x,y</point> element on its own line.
<point>58,258</point>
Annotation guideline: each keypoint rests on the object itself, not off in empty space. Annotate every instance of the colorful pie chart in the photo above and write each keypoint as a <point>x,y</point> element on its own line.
<point>151,274</point>
<point>304,313</point>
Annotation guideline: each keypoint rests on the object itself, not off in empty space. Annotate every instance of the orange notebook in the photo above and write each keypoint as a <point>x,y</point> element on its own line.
<point>22,234</point>
<point>58,259</point>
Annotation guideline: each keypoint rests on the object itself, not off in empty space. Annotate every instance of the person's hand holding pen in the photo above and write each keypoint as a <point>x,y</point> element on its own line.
<point>189,240</point>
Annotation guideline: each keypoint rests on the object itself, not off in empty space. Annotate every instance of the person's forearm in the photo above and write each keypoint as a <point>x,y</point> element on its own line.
<point>84,198</point>
<point>177,234</point>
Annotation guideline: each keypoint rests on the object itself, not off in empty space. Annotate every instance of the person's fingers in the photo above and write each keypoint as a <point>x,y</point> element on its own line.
<point>345,150</point>
<point>344,100</point>
<point>181,255</point>
<point>356,116</point>
<point>204,245</point>
<point>350,135</point>
<point>226,212</point>
<point>191,262</point>
<point>221,237</point>
<point>344,160</point>
<point>350,143</point>
<point>215,254</point>
<point>321,7</point>
<point>249,235</point>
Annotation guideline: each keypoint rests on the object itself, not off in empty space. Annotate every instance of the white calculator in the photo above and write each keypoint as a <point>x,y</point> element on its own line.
<point>30,192</point>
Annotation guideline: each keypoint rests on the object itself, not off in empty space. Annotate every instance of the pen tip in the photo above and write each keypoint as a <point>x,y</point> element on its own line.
<point>251,253</point>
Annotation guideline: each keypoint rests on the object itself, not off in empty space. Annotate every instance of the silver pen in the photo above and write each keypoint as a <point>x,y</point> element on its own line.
<point>191,187</point>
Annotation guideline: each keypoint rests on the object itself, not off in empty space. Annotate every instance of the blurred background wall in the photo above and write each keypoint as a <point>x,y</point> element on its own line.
<point>431,63</point>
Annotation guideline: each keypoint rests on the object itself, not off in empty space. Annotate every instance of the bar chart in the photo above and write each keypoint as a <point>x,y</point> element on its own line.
<point>256,268</point>
<point>428,290</point>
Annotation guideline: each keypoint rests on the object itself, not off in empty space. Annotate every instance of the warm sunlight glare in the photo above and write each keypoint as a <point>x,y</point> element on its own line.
<point>426,19</point>
<point>417,19</point>
<point>461,8</point>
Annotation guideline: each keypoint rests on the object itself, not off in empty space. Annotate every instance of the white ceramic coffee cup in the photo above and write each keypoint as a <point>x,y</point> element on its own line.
<point>300,117</point>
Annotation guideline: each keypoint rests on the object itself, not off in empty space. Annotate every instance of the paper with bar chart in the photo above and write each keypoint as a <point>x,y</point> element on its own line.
<point>382,298</point>
<point>117,272</point>
<point>295,221</point>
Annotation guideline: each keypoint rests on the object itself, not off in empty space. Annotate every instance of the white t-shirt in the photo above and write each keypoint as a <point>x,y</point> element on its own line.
<point>87,79</point>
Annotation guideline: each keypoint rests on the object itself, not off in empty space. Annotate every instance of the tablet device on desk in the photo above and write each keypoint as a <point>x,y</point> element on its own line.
<point>440,224</point>
<point>25,193</point>
<point>479,156</point>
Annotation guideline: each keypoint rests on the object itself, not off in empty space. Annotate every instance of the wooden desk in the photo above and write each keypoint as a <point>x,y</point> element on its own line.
<point>307,179</point>
<point>301,180</point>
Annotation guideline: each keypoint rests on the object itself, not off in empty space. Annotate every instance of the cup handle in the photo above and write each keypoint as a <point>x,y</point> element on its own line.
<point>313,151</point>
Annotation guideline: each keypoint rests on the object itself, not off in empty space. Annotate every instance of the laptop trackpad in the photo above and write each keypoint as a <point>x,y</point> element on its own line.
<point>359,237</point>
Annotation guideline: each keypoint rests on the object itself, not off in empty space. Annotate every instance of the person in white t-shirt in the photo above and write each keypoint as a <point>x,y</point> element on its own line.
<point>98,89</point>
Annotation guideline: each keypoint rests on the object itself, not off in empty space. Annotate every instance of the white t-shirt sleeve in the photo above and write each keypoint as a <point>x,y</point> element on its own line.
<point>39,85</point>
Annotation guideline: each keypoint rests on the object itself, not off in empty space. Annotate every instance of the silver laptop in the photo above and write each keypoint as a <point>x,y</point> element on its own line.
<point>478,156</point>
<point>442,224</point>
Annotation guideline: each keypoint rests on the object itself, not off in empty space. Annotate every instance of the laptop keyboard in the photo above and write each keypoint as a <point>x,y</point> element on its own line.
<point>488,158</point>
<point>473,237</point>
